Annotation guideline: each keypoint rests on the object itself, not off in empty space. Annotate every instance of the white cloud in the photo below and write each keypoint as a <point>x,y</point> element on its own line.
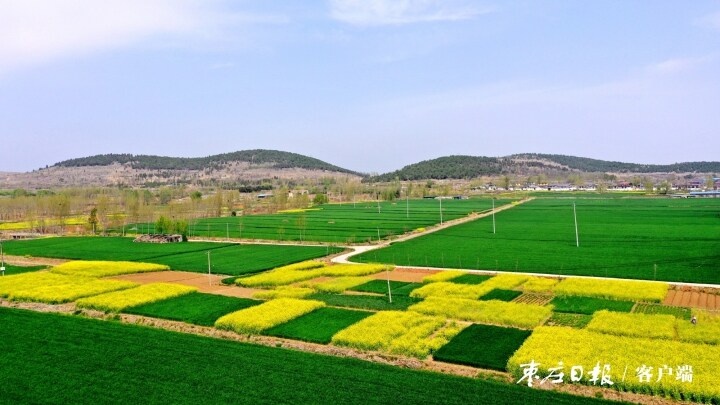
<point>676,65</point>
<point>37,31</point>
<point>710,21</point>
<point>397,12</point>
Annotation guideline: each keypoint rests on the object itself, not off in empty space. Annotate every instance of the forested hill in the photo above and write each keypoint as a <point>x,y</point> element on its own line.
<point>448,167</point>
<point>467,167</point>
<point>272,158</point>
<point>595,165</point>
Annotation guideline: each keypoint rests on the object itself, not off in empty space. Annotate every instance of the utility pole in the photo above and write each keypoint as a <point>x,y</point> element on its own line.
<point>209,276</point>
<point>2,259</point>
<point>493,212</point>
<point>387,270</point>
<point>577,236</point>
<point>440,199</point>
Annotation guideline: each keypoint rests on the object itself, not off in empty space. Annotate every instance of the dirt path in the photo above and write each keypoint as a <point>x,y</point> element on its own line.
<point>356,250</point>
<point>204,283</point>
<point>32,261</point>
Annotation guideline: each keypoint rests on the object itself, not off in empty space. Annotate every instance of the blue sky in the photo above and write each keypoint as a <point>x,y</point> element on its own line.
<point>371,85</point>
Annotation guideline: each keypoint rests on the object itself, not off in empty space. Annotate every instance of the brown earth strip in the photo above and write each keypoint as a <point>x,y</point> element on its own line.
<point>33,261</point>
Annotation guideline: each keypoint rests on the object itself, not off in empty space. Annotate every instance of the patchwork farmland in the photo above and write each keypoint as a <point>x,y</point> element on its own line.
<point>463,323</point>
<point>639,238</point>
<point>361,222</point>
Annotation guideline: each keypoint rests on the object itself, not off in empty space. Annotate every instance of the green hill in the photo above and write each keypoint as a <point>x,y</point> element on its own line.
<point>272,158</point>
<point>467,167</point>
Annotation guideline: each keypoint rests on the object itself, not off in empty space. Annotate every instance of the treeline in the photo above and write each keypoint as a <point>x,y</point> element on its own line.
<point>272,158</point>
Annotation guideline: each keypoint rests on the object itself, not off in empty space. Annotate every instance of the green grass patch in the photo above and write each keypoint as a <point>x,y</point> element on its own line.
<point>578,321</point>
<point>501,295</point>
<point>318,326</point>
<point>226,258</point>
<point>483,346</point>
<point>639,238</point>
<point>51,359</point>
<point>470,279</point>
<point>406,289</point>
<point>10,269</point>
<point>381,287</point>
<point>369,302</point>
<point>589,305</point>
<point>678,312</point>
<point>196,308</point>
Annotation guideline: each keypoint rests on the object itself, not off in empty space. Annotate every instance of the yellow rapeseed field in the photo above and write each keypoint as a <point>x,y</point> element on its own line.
<point>651,291</point>
<point>689,370</point>
<point>67,292</point>
<point>399,332</point>
<point>638,325</point>
<point>445,275</point>
<point>539,284</point>
<point>492,312</point>
<point>707,329</point>
<point>337,285</point>
<point>256,319</point>
<point>468,291</point>
<point>144,294</point>
<point>283,292</point>
<point>54,288</point>
<point>302,272</point>
<point>89,268</point>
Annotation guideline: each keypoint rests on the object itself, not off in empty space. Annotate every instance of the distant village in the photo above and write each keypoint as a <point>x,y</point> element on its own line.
<point>697,187</point>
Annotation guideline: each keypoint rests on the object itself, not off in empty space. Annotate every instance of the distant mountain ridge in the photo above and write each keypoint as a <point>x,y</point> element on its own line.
<point>272,158</point>
<point>468,167</point>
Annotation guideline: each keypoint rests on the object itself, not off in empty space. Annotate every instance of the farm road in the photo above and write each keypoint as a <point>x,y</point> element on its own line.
<point>356,250</point>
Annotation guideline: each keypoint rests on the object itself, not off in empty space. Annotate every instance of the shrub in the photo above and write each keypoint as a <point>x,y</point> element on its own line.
<point>539,284</point>
<point>337,285</point>
<point>468,291</point>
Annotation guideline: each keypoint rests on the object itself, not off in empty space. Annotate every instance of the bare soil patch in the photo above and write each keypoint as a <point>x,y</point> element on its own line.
<point>210,284</point>
<point>409,275</point>
<point>33,261</point>
<point>693,297</point>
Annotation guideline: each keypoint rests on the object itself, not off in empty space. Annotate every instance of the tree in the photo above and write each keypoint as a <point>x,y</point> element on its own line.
<point>506,182</point>
<point>163,225</point>
<point>320,199</point>
<point>93,220</point>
